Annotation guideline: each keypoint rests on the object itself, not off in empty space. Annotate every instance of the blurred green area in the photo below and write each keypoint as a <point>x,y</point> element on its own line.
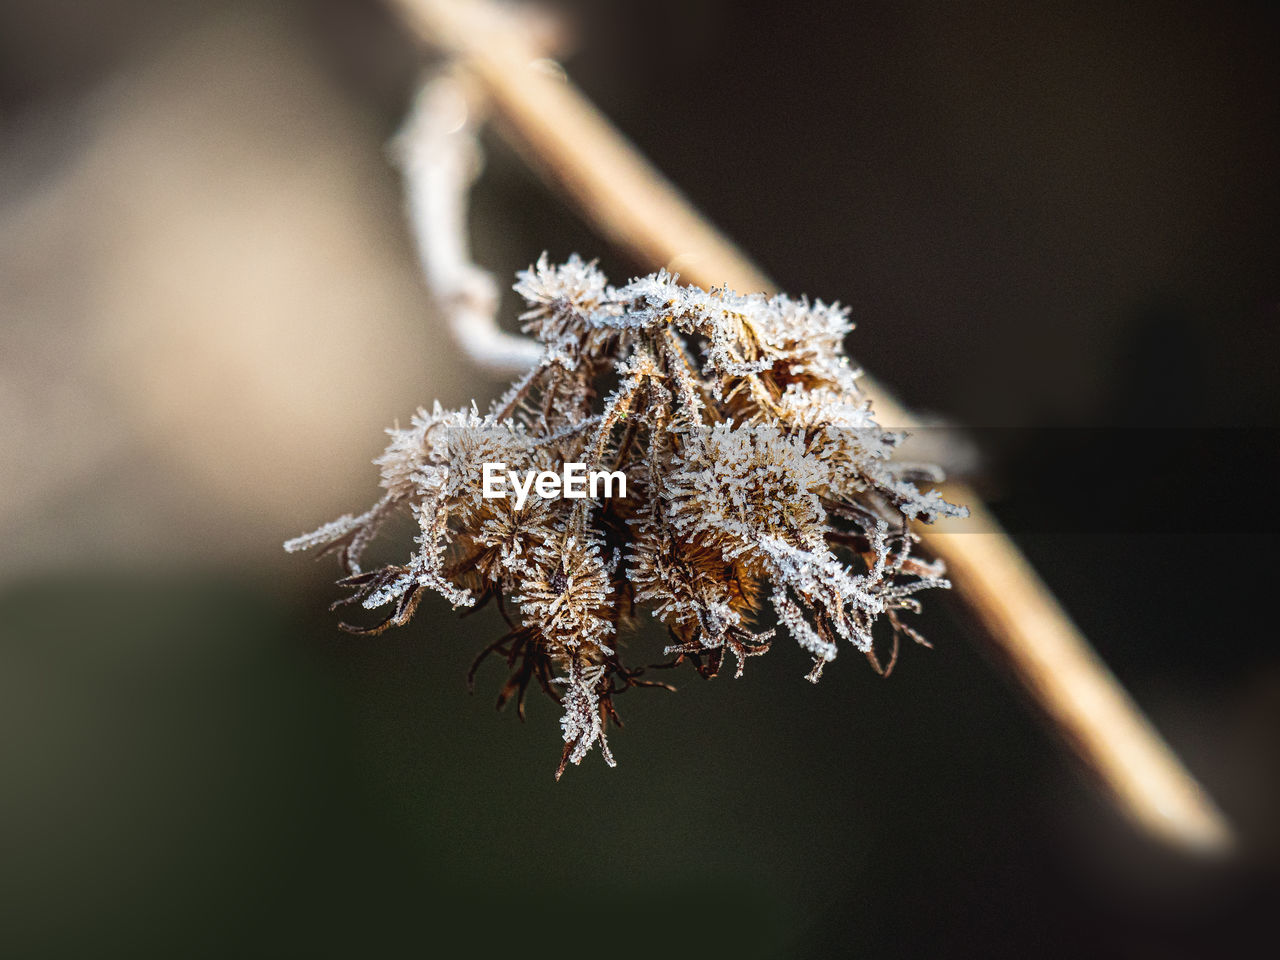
<point>205,766</point>
<point>211,765</point>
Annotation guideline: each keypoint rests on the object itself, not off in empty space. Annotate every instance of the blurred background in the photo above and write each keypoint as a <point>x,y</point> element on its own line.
<point>1053,222</point>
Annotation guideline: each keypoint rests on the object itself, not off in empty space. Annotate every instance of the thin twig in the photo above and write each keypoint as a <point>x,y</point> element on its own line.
<point>577,150</point>
<point>439,157</point>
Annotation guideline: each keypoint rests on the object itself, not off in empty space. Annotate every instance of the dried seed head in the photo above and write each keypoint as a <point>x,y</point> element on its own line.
<point>758,483</point>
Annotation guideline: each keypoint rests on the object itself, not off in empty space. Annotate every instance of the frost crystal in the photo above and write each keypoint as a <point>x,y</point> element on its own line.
<point>760,487</point>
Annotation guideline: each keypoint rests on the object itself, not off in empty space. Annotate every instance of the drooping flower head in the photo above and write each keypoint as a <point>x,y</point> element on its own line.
<point>759,487</point>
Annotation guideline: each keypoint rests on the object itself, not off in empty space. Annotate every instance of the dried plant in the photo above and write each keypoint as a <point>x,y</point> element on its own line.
<point>758,481</point>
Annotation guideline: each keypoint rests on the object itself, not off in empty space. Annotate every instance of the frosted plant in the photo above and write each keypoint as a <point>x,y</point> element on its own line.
<point>759,487</point>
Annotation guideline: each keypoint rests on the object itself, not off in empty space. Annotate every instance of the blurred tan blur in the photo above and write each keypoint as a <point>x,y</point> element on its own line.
<point>210,308</point>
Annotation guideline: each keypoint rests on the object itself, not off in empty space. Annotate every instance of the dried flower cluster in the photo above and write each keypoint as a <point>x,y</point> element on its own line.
<point>757,480</point>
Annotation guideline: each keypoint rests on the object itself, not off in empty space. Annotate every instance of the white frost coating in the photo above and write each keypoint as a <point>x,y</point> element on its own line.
<point>758,484</point>
<point>331,531</point>
<point>440,157</point>
<point>582,725</point>
<point>573,602</point>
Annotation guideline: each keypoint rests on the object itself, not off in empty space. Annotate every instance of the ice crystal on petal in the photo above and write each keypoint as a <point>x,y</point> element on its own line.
<point>567,595</point>
<point>583,722</point>
<point>759,487</point>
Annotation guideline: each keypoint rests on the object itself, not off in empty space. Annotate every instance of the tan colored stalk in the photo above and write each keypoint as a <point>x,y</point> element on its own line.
<point>575,148</point>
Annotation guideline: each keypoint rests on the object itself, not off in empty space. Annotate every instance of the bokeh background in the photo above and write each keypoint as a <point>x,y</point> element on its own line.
<point>1053,222</point>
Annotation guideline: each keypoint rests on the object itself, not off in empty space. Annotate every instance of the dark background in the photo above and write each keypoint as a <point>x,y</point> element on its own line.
<point>1052,221</point>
